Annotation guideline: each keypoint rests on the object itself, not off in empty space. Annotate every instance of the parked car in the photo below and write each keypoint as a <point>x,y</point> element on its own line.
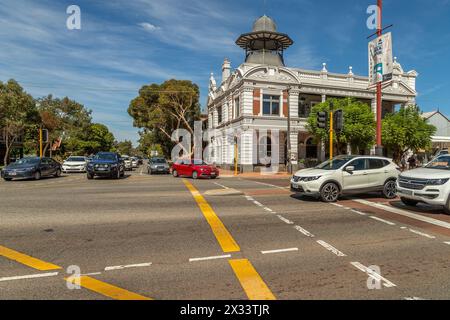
<point>134,162</point>
<point>74,164</point>
<point>32,168</point>
<point>127,162</point>
<point>194,168</point>
<point>106,164</point>
<point>158,165</point>
<point>429,184</point>
<point>347,175</point>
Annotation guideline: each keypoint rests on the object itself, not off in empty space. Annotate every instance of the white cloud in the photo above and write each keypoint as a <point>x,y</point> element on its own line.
<point>148,26</point>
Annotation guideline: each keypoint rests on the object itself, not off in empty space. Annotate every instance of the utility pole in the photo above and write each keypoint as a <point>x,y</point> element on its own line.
<point>235,156</point>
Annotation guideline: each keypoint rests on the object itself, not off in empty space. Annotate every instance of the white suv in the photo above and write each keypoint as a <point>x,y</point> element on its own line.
<point>347,175</point>
<point>429,184</point>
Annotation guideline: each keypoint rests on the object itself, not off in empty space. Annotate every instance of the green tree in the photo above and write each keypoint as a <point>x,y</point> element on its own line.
<point>125,147</point>
<point>163,108</point>
<point>359,124</point>
<point>406,130</point>
<point>18,113</point>
<point>65,119</point>
<point>98,138</point>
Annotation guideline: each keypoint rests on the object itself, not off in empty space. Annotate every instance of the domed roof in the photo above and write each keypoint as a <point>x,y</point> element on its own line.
<point>264,24</point>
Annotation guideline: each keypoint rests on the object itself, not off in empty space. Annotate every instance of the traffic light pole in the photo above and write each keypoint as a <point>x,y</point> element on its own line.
<point>40,142</point>
<point>331,135</point>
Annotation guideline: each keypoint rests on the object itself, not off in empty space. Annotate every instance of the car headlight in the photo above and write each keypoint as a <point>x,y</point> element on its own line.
<point>153,166</point>
<point>437,182</point>
<point>308,179</point>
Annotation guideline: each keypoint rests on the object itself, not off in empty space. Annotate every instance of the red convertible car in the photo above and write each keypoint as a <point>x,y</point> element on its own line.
<point>194,168</point>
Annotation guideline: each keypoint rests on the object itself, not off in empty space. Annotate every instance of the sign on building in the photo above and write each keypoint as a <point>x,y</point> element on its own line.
<point>380,59</point>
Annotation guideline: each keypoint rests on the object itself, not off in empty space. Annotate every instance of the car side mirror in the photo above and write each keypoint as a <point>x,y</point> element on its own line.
<point>350,169</point>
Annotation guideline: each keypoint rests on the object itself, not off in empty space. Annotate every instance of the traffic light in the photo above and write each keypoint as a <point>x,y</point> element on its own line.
<point>338,120</point>
<point>44,135</point>
<point>322,120</point>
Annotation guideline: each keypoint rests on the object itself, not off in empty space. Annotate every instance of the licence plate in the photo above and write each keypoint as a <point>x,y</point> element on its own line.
<point>13,173</point>
<point>101,169</point>
<point>295,185</point>
<point>407,192</point>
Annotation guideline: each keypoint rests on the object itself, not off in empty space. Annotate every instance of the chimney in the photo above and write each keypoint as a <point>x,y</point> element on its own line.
<point>226,70</point>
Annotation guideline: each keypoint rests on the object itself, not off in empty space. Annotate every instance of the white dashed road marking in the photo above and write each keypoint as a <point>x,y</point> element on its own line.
<point>139,265</point>
<point>30,276</point>
<point>279,250</point>
<point>329,247</point>
<point>405,213</point>
<point>284,219</point>
<point>382,220</point>
<point>373,274</point>
<point>422,234</point>
<point>304,231</point>
<point>210,258</point>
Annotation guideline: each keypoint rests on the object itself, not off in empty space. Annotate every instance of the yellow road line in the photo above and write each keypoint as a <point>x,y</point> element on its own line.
<point>252,283</point>
<point>224,238</point>
<point>27,260</point>
<point>106,289</point>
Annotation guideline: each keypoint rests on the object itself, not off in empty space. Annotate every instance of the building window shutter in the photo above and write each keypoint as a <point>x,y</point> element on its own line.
<point>256,101</point>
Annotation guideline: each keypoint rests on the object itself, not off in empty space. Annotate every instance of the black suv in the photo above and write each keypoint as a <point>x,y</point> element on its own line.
<point>106,164</point>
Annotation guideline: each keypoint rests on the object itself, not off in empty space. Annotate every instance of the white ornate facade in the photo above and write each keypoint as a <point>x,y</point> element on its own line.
<point>241,103</point>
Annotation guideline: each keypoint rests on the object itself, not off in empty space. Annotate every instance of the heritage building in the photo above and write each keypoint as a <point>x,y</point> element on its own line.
<point>255,98</point>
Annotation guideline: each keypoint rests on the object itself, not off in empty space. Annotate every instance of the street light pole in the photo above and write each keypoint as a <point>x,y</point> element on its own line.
<point>379,147</point>
<point>289,130</point>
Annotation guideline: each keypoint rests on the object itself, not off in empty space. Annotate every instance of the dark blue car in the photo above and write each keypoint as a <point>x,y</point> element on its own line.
<point>106,164</point>
<point>32,168</point>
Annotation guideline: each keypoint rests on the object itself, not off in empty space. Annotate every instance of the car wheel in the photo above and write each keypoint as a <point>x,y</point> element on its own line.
<point>37,175</point>
<point>175,173</point>
<point>213,177</point>
<point>150,171</point>
<point>117,174</point>
<point>329,192</point>
<point>58,173</point>
<point>447,206</point>
<point>7,179</point>
<point>409,202</point>
<point>194,175</point>
<point>390,189</point>
<point>89,176</point>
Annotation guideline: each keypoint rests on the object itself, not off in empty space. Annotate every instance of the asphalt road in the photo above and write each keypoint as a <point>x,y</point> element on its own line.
<point>161,237</point>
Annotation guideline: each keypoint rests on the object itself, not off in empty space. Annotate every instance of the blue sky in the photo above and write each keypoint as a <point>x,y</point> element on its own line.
<point>125,44</point>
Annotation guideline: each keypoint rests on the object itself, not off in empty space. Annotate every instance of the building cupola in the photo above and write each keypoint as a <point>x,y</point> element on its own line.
<point>264,45</point>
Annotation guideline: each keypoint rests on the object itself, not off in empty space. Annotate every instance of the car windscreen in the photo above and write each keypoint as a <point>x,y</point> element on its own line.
<point>76,159</point>
<point>334,164</point>
<point>440,163</point>
<point>199,163</point>
<point>158,161</point>
<point>31,161</point>
<point>105,156</point>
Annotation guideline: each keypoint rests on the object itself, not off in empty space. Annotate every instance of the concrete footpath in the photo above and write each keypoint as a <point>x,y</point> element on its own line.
<point>257,175</point>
